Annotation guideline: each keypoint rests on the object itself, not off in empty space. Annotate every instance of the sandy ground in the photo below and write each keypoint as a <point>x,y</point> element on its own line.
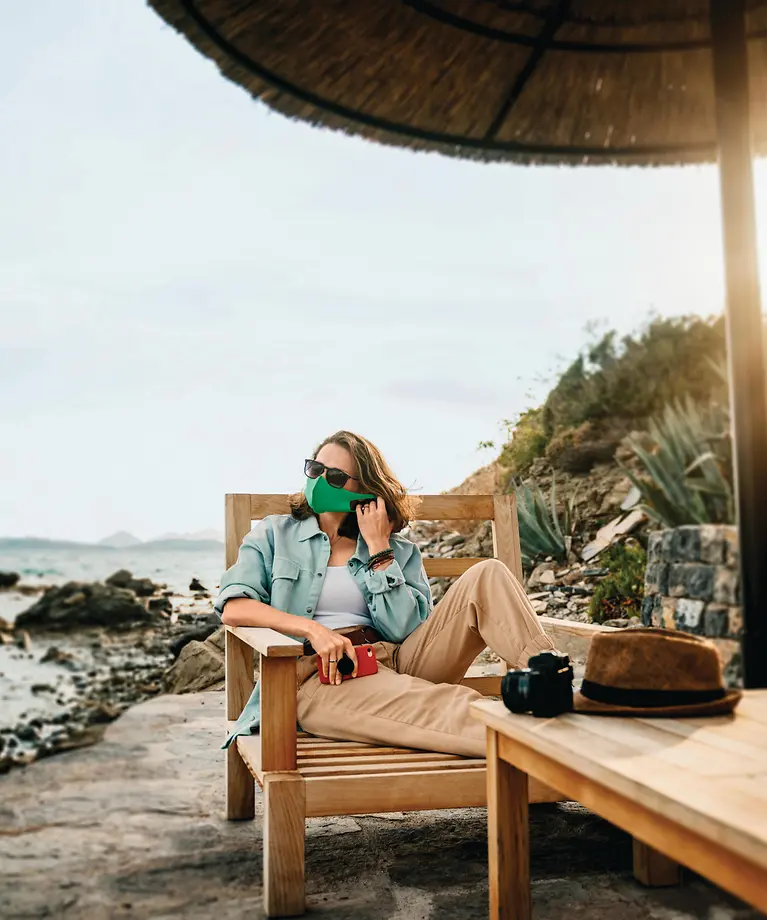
<point>133,827</point>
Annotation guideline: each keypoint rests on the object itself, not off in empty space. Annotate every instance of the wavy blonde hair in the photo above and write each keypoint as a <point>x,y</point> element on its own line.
<point>374,475</point>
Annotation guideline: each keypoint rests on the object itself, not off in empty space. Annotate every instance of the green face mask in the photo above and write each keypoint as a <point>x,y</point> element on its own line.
<point>323,497</point>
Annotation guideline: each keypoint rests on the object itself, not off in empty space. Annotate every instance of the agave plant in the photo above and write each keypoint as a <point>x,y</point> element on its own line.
<point>687,477</point>
<point>541,532</point>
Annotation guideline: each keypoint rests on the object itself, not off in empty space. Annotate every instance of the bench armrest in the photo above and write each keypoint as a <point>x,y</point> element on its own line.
<point>268,642</point>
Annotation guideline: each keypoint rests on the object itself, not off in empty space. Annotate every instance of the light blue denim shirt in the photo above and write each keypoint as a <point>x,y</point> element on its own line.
<point>282,562</point>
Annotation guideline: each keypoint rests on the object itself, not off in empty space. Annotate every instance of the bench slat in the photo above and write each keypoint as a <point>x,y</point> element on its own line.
<point>430,507</point>
<point>388,757</point>
<point>363,793</point>
<point>446,567</point>
<point>421,766</point>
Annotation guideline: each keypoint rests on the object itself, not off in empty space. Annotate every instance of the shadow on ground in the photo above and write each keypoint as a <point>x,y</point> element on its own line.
<point>132,828</point>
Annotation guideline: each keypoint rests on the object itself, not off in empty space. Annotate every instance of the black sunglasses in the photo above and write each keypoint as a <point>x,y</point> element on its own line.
<point>336,478</point>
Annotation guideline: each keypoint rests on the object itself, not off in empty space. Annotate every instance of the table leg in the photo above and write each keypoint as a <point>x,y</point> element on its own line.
<point>508,833</point>
<point>652,868</point>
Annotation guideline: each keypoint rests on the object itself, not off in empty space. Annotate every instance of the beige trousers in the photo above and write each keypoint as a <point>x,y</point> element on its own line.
<point>415,700</point>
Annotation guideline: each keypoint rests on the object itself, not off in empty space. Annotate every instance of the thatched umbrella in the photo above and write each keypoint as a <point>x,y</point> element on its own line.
<point>641,82</point>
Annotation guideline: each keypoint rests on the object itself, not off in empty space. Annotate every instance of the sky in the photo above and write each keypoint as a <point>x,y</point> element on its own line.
<point>194,290</point>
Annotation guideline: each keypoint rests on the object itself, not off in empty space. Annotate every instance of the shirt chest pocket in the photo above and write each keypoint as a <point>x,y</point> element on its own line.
<point>285,579</point>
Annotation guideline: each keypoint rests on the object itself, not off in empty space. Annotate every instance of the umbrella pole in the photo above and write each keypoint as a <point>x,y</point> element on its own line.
<point>744,325</point>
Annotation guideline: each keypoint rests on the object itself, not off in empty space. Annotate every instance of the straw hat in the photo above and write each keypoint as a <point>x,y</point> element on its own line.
<point>528,81</point>
<point>653,672</point>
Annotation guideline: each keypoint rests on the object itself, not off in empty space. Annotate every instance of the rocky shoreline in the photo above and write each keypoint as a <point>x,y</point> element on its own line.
<point>557,590</point>
<point>86,651</point>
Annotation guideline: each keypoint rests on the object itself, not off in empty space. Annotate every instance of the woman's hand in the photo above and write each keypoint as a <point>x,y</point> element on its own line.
<point>374,525</point>
<point>330,646</point>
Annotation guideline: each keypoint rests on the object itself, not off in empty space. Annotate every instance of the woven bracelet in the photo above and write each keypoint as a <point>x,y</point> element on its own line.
<point>384,555</point>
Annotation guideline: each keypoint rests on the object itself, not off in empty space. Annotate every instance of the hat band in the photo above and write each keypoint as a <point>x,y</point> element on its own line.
<point>647,699</point>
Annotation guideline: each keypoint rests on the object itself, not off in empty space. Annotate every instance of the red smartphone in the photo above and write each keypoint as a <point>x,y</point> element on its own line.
<point>366,664</point>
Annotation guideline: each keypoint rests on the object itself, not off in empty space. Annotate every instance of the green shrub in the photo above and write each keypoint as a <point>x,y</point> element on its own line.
<point>635,377</point>
<point>620,593</point>
<point>576,450</point>
<point>541,531</point>
<point>687,475</point>
<point>528,442</point>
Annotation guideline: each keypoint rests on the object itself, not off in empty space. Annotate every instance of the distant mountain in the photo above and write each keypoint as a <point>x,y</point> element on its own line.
<point>32,543</point>
<point>120,540</point>
<point>181,544</point>
<point>184,544</point>
<point>197,536</point>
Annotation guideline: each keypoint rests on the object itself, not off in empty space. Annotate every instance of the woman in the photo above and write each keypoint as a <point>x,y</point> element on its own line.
<point>335,573</point>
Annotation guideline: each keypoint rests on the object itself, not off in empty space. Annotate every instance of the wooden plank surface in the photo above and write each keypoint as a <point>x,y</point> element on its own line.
<point>278,714</point>
<point>236,524</point>
<point>437,567</point>
<point>506,545</point>
<point>284,836</point>
<point>268,642</point>
<point>742,874</point>
<point>429,507</point>
<point>405,760</point>
<point>426,765</point>
<point>240,788</point>
<point>657,770</point>
<point>508,836</point>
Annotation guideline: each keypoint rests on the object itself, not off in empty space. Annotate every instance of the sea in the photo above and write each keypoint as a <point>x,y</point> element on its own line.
<point>53,565</point>
<point>24,669</point>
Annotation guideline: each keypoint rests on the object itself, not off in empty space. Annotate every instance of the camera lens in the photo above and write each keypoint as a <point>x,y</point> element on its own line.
<point>515,690</point>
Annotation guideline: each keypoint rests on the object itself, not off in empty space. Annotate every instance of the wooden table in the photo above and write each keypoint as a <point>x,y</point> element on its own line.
<point>694,790</point>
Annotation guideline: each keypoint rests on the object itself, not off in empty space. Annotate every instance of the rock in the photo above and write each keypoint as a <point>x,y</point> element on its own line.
<point>712,544</point>
<point>727,587</point>
<point>619,623</point>
<point>688,614</point>
<point>9,579</point>
<point>199,634</point>
<point>141,587</point>
<point>454,539</point>
<point>160,605</point>
<point>22,640</point>
<point>194,585</point>
<point>56,655</point>
<point>687,543</point>
<point>199,665</point>
<point>120,579</point>
<point>542,574</point>
<point>715,621</point>
<point>690,579</point>
<point>735,622</point>
<point>656,578</point>
<point>95,605</point>
<point>218,639</point>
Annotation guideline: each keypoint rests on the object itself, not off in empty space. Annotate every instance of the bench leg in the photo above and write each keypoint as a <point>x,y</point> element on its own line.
<point>284,830</point>
<point>508,831</point>
<point>652,868</point>
<point>240,785</point>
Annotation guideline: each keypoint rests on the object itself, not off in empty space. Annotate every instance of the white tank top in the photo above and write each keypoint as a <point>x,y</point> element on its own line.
<point>341,603</point>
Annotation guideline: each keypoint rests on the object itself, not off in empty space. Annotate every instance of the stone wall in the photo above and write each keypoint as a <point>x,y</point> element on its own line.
<point>692,583</point>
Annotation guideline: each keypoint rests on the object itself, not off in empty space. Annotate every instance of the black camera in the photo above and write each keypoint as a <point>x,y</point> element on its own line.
<point>544,687</point>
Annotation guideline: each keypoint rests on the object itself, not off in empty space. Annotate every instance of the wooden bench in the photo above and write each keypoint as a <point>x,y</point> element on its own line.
<point>304,776</point>
<point>690,791</point>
